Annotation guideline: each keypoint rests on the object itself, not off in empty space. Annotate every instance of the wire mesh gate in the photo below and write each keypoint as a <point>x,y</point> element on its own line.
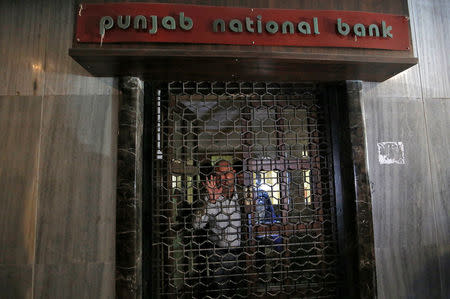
<point>243,200</point>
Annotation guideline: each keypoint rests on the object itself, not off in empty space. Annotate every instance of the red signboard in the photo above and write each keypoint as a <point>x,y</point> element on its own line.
<point>179,23</point>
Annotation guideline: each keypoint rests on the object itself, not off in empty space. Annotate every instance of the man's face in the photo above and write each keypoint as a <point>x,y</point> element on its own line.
<point>225,176</point>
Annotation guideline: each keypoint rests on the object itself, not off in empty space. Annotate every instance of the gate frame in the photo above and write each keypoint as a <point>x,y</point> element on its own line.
<point>352,188</point>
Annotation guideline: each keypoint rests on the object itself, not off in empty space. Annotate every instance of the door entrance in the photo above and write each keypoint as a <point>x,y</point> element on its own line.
<point>242,203</point>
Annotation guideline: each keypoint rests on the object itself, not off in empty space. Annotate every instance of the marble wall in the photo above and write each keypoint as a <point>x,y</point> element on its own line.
<point>58,128</point>
<point>410,200</point>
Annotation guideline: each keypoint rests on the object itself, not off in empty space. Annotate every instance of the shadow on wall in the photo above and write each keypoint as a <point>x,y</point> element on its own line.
<point>75,223</point>
<point>429,280</point>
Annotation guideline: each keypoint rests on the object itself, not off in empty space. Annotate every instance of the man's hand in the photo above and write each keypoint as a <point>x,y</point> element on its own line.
<point>214,192</point>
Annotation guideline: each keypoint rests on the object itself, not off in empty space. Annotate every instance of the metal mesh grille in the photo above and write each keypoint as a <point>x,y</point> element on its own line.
<point>271,231</point>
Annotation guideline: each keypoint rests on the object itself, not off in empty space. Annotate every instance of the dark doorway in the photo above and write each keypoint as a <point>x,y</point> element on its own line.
<point>276,139</point>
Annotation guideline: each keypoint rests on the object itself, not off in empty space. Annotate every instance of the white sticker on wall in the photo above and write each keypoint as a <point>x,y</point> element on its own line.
<point>391,153</point>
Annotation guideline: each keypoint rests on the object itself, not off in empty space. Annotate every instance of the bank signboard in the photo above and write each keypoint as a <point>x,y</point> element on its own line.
<point>180,23</point>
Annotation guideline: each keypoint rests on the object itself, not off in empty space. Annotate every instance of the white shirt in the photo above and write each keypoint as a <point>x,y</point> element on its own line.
<point>224,218</point>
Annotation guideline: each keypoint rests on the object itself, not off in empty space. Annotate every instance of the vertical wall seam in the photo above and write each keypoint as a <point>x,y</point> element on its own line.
<point>426,130</point>
<point>41,125</point>
<point>433,197</point>
<point>414,23</point>
<point>33,275</point>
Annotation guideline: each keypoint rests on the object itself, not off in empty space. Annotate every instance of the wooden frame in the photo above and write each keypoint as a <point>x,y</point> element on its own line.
<point>244,65</point>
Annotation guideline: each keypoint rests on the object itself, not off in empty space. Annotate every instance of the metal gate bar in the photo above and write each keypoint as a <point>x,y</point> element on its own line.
<point>270,231</point>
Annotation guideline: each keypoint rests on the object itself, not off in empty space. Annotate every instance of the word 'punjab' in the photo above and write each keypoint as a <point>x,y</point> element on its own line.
<point>140,22</point>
